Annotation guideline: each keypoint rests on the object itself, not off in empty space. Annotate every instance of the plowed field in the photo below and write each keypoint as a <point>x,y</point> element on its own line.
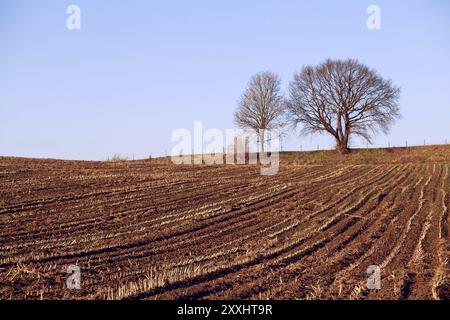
<point>148,230</point>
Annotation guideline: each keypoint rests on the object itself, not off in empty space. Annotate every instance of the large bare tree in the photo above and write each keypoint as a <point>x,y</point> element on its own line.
<point>261,105</point>
<point>343,98</point>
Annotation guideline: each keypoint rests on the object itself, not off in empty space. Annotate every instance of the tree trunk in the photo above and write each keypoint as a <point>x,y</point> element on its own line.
<point>343,148</point>
<point>342,144</point>
<point>341,137</point>
<point>261,140</point>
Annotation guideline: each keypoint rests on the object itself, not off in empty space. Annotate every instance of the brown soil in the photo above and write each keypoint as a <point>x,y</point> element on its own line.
<point>154,230</point>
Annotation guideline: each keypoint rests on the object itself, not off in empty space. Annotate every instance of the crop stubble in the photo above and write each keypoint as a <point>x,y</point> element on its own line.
<point>144,230</point>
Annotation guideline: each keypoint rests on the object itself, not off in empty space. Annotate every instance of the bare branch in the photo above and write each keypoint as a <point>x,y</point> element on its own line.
<point>262,105</point>
<point>342,98</point>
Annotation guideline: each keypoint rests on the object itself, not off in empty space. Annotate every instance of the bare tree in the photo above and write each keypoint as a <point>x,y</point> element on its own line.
<point>342,98</point>
<point>261,105</point>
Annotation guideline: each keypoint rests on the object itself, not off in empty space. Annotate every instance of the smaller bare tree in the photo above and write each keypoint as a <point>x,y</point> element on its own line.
<point>261,106</point>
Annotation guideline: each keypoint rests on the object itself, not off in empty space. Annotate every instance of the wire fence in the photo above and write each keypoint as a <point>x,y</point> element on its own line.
<point>404,144</point>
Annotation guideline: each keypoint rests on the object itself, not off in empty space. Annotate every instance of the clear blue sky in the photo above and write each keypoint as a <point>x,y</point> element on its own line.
<point>137,70</point>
